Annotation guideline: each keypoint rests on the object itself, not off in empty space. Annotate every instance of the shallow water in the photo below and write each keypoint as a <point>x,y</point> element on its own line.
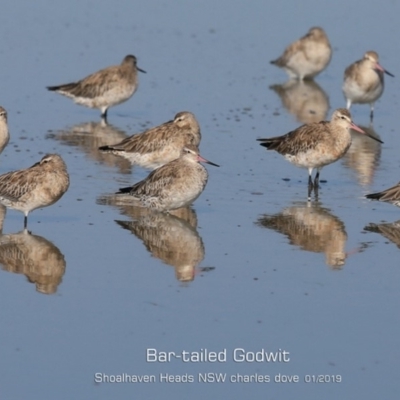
<point>252,265</point>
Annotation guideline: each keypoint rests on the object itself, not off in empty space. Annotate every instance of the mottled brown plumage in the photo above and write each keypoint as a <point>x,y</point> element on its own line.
<point>306,57</point>
<point>364,82</point>
<point>4,134</point>
<point>161,144</point>
<point>317,144</point>
<point>38,186</point>
<point>105,88</point>
<point>174,185</point>
<point>88,136</point>
<point>391,195</point>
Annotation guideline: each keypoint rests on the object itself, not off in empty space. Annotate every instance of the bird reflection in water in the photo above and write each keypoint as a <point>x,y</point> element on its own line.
<point>89,137</point>
<point>306,100</point>
<point>390,231</point>
<point>364,155</point>
<point>171,237</point>
<point>312,228</point>
<point>34,256</point>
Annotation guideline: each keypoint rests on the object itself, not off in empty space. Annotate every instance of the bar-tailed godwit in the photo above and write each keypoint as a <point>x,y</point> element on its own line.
<point>105,88</point>
<point>4,134</point>
<point>172,186</point>
<point>41,185</point>
<point>391,195</point>
<point>363,81</point>
<point>317,144</point>
<point>306,57</point>
<point>161,144</point>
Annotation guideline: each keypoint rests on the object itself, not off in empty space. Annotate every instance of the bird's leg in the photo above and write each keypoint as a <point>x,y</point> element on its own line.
<point>316,180</point>
<point>104,114</point>
<point>310,183</point>
<point>25,221</point>
<point>348,105</point>
<point>316,184</point>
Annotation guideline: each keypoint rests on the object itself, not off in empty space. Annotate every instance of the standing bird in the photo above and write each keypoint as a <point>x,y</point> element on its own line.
<point>391,195</point>
<point>306,57</point>
<point>317,144</point>
<point>105,88</point>
<point>363,81</point>
<point>41,185</point>
<point>172,186</point>
<point>161,144</point>
<point>4,134</point>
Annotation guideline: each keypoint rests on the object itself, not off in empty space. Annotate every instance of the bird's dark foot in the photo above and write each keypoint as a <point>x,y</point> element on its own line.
<point>104,118</point>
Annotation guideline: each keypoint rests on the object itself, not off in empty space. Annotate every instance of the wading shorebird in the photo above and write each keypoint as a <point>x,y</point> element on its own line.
<point>172,186</point>
<point>105,88</point>
<point>317,144</point>
<point>159,145</point>
<point>306,57</point>
<point>4,134</point>
<point>41,185</point>
<point>363,81</point>
<point>391,195</point>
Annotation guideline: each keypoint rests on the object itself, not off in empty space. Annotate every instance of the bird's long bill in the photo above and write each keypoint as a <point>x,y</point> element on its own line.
<point>388,73</point>
<point>200,158</point>
<point>379,66</point>
<point>373,137</point>
<point>141,70</point>
<point>358,129</point>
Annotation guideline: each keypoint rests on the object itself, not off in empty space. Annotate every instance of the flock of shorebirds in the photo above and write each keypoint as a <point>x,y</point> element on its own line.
<point>171,149</point>
<point>316,145</point>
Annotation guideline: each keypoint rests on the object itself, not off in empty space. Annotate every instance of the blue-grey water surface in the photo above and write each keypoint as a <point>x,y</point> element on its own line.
<point>253,266</point>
